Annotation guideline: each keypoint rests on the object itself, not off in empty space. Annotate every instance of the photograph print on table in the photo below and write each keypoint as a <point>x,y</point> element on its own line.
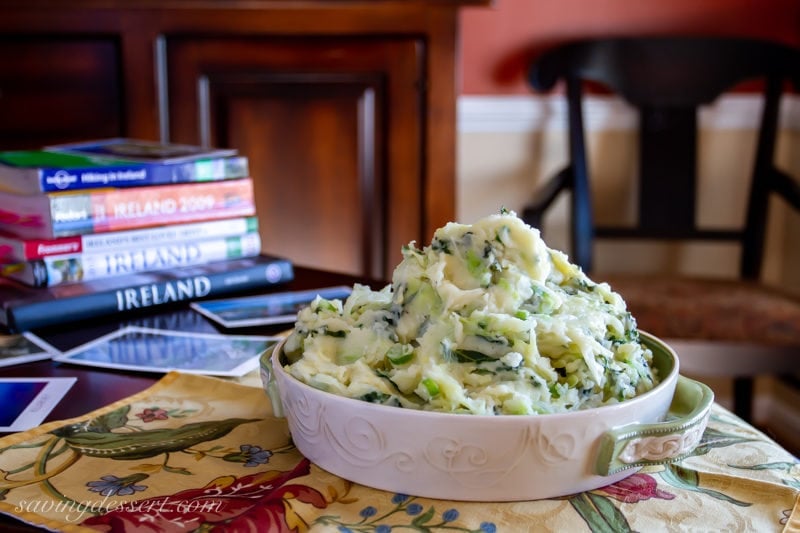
<point>19,348</point>
<point>264,309</point>
<point>154,350</point>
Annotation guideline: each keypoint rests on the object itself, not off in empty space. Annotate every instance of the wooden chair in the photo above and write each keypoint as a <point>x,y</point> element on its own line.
<point>667,80</point>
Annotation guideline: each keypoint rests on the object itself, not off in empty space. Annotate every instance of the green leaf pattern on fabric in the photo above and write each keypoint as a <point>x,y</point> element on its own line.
<point>600,513</point>
<point>688,479</point>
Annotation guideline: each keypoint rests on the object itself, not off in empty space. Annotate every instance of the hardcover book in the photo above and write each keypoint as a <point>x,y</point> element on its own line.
<point>61,214</point>
<point>141,150</point>
<point>15,249</point>
<point>37,171</point>
<point>26,308</point>
<point>72,268</point>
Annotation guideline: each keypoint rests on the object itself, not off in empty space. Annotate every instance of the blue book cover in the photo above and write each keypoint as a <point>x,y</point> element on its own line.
<point>38,171</point>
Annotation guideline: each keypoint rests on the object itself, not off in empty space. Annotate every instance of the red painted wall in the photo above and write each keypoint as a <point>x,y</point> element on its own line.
<point>496,41</point>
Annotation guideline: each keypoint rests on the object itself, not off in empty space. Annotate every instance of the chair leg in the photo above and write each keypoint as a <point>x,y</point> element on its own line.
<point>743,397</point>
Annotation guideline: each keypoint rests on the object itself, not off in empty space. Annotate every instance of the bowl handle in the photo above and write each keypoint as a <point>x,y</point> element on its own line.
<point>636,445</point>
<point>270,385</point>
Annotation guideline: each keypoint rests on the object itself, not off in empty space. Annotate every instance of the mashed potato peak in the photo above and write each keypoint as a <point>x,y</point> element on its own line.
<point>485,320</point>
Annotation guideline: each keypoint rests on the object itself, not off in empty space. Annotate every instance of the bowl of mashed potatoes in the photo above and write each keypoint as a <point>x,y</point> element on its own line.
<point>490,369</point>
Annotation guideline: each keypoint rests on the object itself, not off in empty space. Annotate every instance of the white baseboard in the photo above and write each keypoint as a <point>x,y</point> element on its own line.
<point>522,113</point>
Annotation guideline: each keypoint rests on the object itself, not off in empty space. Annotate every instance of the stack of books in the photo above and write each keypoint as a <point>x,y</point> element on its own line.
<point>127,224</point>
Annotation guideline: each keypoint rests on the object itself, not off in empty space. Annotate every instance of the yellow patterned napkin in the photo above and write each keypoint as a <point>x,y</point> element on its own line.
<point>195,453</point>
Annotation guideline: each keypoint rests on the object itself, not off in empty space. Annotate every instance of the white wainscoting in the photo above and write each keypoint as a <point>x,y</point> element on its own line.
<point>537,113</point>
<point>508,146</point>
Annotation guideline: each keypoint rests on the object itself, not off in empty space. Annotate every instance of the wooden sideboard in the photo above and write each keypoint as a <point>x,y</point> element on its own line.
<point>346,109</point>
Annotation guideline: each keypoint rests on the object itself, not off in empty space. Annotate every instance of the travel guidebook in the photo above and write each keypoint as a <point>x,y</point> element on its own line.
<point>38,171</point>
<point>61,214</point>
<point>157,350</point>
<point>71,268</point>
<point>16,249</point>
<point>25,308</point>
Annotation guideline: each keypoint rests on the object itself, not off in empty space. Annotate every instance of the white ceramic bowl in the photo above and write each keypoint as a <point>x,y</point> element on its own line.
<point>491,458</point>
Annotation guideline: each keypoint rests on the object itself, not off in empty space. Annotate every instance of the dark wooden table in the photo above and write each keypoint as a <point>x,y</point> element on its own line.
<point>97,387</point>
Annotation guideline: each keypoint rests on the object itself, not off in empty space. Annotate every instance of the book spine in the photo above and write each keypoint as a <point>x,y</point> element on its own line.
<point>52,271</point>
<point>193,285</point>
<point>106,210</point>
<point>138,174</point>
<point>15,250</point>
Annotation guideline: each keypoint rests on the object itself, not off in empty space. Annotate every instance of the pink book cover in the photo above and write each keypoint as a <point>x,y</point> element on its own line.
<point>54,215</point>
<point>169,204</point>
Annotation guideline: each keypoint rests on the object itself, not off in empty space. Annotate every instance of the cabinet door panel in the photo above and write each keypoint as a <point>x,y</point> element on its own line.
<point>308,202</point>
<point>332,130</point>
<point>56,89</point>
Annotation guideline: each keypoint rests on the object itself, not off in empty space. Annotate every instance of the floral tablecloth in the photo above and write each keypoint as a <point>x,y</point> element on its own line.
<point>194,453</point>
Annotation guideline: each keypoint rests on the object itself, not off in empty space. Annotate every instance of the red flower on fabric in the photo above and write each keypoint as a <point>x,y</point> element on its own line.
<point>636,488</point>
<point>153,413</point>
<point>258,502</point>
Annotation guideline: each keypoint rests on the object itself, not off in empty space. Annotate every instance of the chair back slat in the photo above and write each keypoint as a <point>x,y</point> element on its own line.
<point>667,168</point>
